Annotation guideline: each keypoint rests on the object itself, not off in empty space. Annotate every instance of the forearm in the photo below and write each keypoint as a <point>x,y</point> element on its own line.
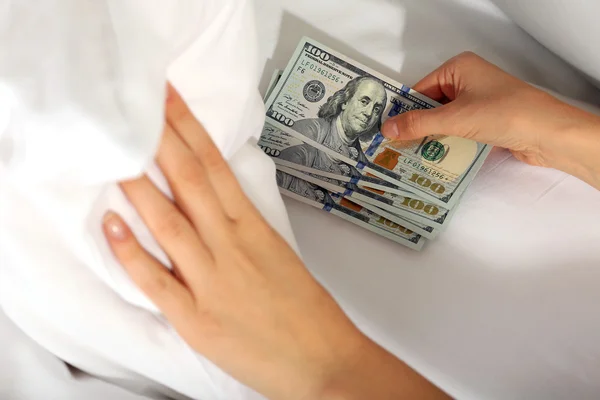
<point>377,374</point>
<point>586,164</point>
<point>574,146</point>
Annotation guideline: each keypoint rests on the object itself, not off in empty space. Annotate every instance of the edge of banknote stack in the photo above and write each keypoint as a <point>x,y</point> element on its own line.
<point>322,129</point>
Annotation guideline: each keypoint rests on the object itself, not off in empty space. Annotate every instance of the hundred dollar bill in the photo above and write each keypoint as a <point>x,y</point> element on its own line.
<point>357,196</point>
<point>335,204</point>
<point>334,104</point>
<point>373,201</point>
<point>274,142</point>
<point>419,229</point>
<point>273,82</point>
<point>383,194</point>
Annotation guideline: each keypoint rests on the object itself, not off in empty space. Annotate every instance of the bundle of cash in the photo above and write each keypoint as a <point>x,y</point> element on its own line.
<point>323,130</point>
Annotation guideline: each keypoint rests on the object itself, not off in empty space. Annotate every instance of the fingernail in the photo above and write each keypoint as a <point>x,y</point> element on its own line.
<point>390,129</point>
<point>169,92</point>
<point>114,226</point>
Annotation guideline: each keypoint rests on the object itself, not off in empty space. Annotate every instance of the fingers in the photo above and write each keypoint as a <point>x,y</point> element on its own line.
<point>444,120</point>
<point>446,85</point>
<point>224,183</point>
<point>171,229</point>
<point>193,191</point>
<point>440,85</point>
<point>451,78</point>
<point>153,278</point>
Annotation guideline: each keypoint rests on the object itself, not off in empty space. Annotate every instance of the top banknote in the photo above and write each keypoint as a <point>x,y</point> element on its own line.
<point>332,103</point>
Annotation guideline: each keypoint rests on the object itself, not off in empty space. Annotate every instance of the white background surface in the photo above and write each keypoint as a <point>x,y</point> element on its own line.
<point>504,303</point>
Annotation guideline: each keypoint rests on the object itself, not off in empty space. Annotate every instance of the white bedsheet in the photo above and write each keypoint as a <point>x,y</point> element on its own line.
<point>503,305</point>
<point>28,372</point>
<point>59,281</point>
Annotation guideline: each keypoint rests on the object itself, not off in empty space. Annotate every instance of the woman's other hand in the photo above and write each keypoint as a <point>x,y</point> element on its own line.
<point>238,294</point>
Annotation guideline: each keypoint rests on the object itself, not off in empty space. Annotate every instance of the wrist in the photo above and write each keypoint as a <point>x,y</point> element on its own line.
<point>322,367</point>
<point>373,372</point>
<point>340,383</point>
<point>334,379</point>
<point>574,146</point>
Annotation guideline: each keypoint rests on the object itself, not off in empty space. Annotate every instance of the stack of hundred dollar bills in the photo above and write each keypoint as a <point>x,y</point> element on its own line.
<point>323,130</point>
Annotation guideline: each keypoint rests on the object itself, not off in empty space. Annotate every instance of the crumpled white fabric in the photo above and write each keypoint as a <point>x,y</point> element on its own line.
<point>82,87</point>
<point>563,27</point>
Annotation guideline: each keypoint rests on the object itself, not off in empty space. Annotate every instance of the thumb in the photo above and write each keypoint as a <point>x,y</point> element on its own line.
<point>417,124</point>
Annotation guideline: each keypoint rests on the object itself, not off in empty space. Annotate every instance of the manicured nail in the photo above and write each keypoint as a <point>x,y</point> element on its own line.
<point>390,129</point>
<point>170,92</point>
<point>114,226</point>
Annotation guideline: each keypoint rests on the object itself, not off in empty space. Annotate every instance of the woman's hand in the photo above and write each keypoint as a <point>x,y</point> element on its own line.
<point>239,294</point>
<point>484,103</point>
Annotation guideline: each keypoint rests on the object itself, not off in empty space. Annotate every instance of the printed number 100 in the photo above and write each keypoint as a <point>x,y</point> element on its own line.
<point>426,183</point>
<point>394,225</point>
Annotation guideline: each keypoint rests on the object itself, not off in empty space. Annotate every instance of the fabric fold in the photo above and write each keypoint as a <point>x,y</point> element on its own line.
<point>84,85</point>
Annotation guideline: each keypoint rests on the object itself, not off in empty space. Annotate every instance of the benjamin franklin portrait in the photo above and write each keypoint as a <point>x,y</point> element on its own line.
<point>351,115</point>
